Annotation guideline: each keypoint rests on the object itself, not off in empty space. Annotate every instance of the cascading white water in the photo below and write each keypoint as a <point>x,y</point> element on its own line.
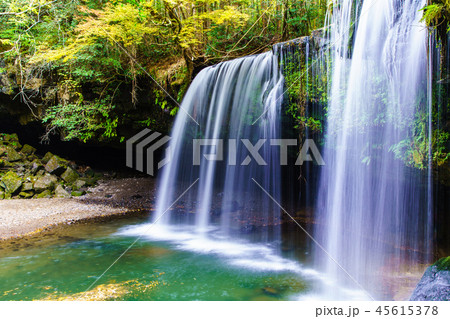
<point>372,209</point>
<point>226,100</point>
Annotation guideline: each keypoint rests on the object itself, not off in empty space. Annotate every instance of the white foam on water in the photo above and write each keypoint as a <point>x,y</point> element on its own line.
<point>243,254</point>
<point>239,253</point>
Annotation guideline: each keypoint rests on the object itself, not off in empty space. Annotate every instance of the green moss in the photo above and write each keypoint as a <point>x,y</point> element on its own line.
<point>44,194</point>
<point>11,182</point>
<point>443,264</point>
<point>28,149</point>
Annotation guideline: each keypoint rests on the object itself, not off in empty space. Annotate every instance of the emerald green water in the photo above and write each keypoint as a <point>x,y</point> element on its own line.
<point>67,261</point>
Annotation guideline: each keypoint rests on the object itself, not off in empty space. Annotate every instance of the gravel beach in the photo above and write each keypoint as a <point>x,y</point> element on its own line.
<point>21,217</point>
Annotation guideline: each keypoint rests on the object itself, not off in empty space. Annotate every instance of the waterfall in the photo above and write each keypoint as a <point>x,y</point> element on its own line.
<point>228,106</point>
<point>372,208</point>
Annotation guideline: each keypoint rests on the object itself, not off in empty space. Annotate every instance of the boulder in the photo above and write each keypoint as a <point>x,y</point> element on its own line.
<point>28,149</point>
<point>16,145</point>
<point>27,186</point>
<point>45,194</point>
<point>61,192</point>
<point>90,181</point>
<point>55,165</point>
<point>11,137</point>
<point>435,283</point>
<point>46,182</point>
<point>36,166</point>
<point>89,172</point>
<point>70,176</point>
<point>26,194</point>
<point>11,154</point>
<point>47,157</point>
<point>11,182</point>
<point>79,184</point>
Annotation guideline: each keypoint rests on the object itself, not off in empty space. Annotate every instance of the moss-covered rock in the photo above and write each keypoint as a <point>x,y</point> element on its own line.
<point>11,182</point>
<point>45,194</point>
<point>28,149</point>
<point>56,165</point>
<point>27,186</point>
<point>70,175</point>
<point>26,194</point>
<point>90,181</point>
<point>435,283</point>
<point>36,165</point>
<point>77,193</point>
<point>61,192</point>
<point>11,154</point>
<point>78,184</point>
<point>46,182</point>
<point>47,157</point>
<point>10,137</point>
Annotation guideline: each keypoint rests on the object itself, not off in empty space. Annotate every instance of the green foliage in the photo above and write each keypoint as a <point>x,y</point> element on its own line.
<point>306,90</point>
<point>417,150</point>
<point>437,13</point>
<point>83,58</point>
<point>83,120</point>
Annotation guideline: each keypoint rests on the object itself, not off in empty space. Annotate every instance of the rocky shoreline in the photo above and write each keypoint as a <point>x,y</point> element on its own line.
<point>24,174</point>
<point>114,197</point>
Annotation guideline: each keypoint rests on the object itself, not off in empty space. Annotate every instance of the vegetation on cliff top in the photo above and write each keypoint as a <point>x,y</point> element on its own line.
<point>86,67</point>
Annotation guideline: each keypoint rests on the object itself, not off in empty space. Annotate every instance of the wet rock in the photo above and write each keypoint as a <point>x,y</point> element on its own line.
<point>70,176</point>
<point>435,283</point>
<point>11,182</point>
<point>61,192</point>
<point>28,149</point>
<point>45,182</point>
<point>55,165</point>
